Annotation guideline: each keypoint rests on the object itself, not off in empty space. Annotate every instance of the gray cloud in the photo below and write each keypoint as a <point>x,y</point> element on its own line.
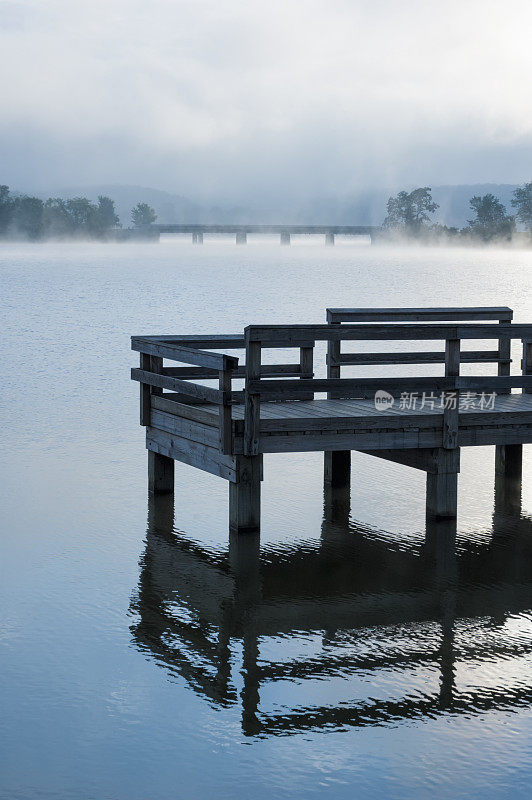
<point>291,98</point>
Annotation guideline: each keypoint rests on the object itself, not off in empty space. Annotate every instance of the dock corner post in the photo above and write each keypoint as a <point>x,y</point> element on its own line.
<point>503,370</point>
<point>244,496</point>
<point>336,463</point>
<point>244,493</point>
<point>160,473</point>
<point>442,479</point>
<point>285,237</point>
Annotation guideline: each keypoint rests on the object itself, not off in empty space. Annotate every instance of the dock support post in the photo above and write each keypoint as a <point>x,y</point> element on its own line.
<point>160,473</point>
<point>244,496</point>
<point>329,239</point>
<point>241,237</point>
<point>509,461</point>
<point>285,237</point>
<point>442,485</point>
<point>197,238</point>
<point>508,478</point>
<point>337,467</point>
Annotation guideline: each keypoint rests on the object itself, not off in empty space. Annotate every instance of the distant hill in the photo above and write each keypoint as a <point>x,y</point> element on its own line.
<point>365,208</point>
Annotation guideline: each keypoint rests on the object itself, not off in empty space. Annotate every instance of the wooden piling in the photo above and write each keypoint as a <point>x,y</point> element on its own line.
<point>160,473</point>
<point>244,496</point>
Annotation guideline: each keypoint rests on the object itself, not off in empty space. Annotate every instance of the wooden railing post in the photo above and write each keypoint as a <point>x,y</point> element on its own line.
<point>252,401</point>
<point>505,352</point>
<point>225,416</point>
<point>336,463</point>
<point>150,364</point>
<point>526,364</point>
<point>306,365</point>
<point>450,412</point>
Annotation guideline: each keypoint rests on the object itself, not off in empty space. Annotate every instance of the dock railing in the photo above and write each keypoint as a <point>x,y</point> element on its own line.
<point>260,388</point>
<point>207,366</point>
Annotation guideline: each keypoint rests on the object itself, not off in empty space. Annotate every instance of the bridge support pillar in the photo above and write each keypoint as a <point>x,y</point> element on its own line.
<point>285,237</point>
<point>241,237</point>
<point>329,239</point>
<point>197,238</point>
<point>442,484</point>
<point>244,496</point>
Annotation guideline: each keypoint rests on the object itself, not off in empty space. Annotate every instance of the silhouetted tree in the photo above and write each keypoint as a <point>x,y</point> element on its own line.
<point>409,211</point>
<point>6,209</point>
<point>57,221</point>
<point>143,214</point>
<point>522,201</point>
<point>27,217</point>
<point>84,215</point>
<point>491,220</point>
<point>107,216</point>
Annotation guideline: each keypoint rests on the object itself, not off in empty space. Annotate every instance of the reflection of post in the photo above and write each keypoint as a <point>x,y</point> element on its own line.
<point>440,547</point>
<point>508,492</point>
<point>244,560</point>
<point>440,542</point>
<point>447,681</point>
<point>250,691</point>
<point>336,504</point>
<point>160,513</point>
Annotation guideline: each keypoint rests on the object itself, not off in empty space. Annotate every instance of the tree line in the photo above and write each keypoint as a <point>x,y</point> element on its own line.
<point>22,216</point>
<point>409,214</point>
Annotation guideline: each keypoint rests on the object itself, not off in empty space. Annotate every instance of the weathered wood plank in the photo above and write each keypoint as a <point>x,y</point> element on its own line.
<point>186,388</point>
<point>426,459</point>
<point>194,413</point>
<point>195,454</point>
<point>186,429</point>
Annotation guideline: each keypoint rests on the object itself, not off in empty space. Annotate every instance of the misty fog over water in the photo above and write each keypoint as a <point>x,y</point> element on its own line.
<point>136,662</point>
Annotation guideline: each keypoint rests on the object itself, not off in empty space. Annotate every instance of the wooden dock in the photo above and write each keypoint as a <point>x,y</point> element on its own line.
<point>419,421</point>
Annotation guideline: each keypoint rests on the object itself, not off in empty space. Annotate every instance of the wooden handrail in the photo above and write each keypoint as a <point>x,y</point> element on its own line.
<point>187,355</point>
<point>373,332</point>
<point>419,314</point>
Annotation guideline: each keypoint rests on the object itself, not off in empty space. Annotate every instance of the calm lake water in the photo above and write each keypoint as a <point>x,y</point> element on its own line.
<point>144,656</point>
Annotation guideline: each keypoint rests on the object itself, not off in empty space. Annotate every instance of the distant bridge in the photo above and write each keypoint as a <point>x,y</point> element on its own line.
<point>283,231</point>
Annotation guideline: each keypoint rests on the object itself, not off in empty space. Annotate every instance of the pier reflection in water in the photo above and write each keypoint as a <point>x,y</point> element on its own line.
<point>350,630</point>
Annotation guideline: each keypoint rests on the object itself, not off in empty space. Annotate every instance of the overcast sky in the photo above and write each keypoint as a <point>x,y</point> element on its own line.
<point>221,99</point>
